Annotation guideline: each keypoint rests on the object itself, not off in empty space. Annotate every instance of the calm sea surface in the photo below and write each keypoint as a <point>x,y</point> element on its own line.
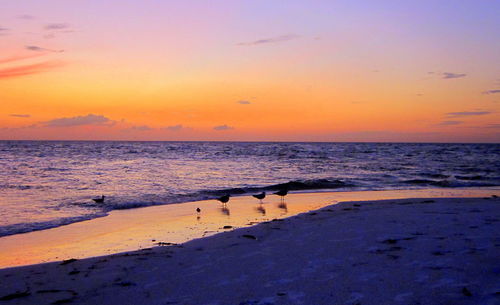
<point>47,184</point>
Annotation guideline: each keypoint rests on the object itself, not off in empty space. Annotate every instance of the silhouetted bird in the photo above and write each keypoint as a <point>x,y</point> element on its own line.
<point>282,193</point>
<point>224,199</point>
<point>198,210</point>
<point>99,200</point>
<point>260,196</point>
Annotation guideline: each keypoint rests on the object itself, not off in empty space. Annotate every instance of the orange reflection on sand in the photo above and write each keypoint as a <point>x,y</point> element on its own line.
<point>126,230</point>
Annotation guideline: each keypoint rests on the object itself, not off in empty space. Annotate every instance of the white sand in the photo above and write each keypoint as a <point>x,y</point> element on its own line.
<point>413,251</point>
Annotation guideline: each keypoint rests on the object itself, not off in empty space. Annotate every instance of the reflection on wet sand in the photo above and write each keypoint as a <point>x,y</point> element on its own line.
<point>124,230</point>
<point>282,205</point>
<point>225,210</point>
<point>261,209</point>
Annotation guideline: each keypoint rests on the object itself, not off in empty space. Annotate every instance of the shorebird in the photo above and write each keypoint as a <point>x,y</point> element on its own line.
<point>282,193</point>
<point>198,210</point>
<point>260,196</point>
<point>99,200</point>
<point>224,199</point>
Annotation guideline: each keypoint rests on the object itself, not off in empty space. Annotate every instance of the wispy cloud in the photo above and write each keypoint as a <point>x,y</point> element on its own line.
<point>275,39</point>
<point>20,115</point>
<point>17,58</point>
<point>139,128</point>
<point>40,49</point>
<point>244,102</point>
<point>89,119</point>
<point>56,26</point>
<point>450,75</point>
<point>4,31</point>
<point>177,127</point>
<point>30,69</point>
<point>223,127</point>
<point>495,91</point>
<point>467,113</point>
<point>449,123</point>
<point>26,17</point>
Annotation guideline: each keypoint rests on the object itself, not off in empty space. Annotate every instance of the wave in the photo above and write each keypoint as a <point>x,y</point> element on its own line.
<point>36,226</point>
<point>21,187</point>
<point>121,203</point>
<point>449,183</point>
<point>144,201</point>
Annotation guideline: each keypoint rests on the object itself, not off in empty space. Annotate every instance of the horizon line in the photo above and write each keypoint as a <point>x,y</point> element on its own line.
<point>250,141</point>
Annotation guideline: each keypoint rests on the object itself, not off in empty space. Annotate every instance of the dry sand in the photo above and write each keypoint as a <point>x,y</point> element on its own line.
<point>412,251</point>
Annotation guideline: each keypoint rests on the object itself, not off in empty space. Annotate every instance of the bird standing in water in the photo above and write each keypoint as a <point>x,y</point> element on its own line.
<point>99,200</point>
<point>260,196</point>
<point>282,193</point>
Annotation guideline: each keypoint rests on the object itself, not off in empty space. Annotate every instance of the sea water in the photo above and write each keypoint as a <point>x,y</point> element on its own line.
<point>45,184</point>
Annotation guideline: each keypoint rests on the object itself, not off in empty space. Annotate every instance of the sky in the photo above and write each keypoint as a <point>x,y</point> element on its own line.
<point>250,70</point>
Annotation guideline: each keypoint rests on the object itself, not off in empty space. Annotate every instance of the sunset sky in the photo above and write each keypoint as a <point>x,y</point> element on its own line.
<point>253,70</point>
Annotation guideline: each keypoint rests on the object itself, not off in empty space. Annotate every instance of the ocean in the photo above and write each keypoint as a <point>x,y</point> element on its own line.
<point>45,184</point>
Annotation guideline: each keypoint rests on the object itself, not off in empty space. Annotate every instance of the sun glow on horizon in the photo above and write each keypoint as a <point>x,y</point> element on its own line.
<point>417,71</point>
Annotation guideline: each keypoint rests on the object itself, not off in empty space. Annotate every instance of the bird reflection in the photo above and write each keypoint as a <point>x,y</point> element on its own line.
<point>198,213</point>
<point>282,205</point>
<point>261,209</point>
<point>225,210</point>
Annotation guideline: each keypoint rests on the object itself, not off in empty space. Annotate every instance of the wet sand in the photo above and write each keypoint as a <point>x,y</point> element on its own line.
<point>410,251</point>
<point>128,230</point>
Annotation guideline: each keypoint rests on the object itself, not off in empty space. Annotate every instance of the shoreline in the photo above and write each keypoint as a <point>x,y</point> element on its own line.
<point>135,229</point>
<point>417,250</point>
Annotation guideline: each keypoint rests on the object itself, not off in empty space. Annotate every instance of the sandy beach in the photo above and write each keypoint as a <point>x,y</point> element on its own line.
<point>409,251</point>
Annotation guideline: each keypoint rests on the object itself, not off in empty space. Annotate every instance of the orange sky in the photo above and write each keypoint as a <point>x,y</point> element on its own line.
<point>417,71</point>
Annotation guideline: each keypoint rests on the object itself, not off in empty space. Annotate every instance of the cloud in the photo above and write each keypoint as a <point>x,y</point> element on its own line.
<point>139,128</point>
<point>89,119</point>
<point>30,69</point>
<point>177,127</point>
<point>450,75</point>
<point>281,38</point>
<point>467,113</point>
<point>495,91</point>
<point>244,102</point>
<point>56,26</point>
<point>449,123</point>
<point>20,115</point>
<point>4,31</point>
<point>487,126</point>
<point>17,58</point>
<point>40,49</point>
<point>223,127</point>
<point>26,17</point>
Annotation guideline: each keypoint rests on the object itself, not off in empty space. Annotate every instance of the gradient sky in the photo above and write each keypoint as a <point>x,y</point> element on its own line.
<point>416,71</point>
